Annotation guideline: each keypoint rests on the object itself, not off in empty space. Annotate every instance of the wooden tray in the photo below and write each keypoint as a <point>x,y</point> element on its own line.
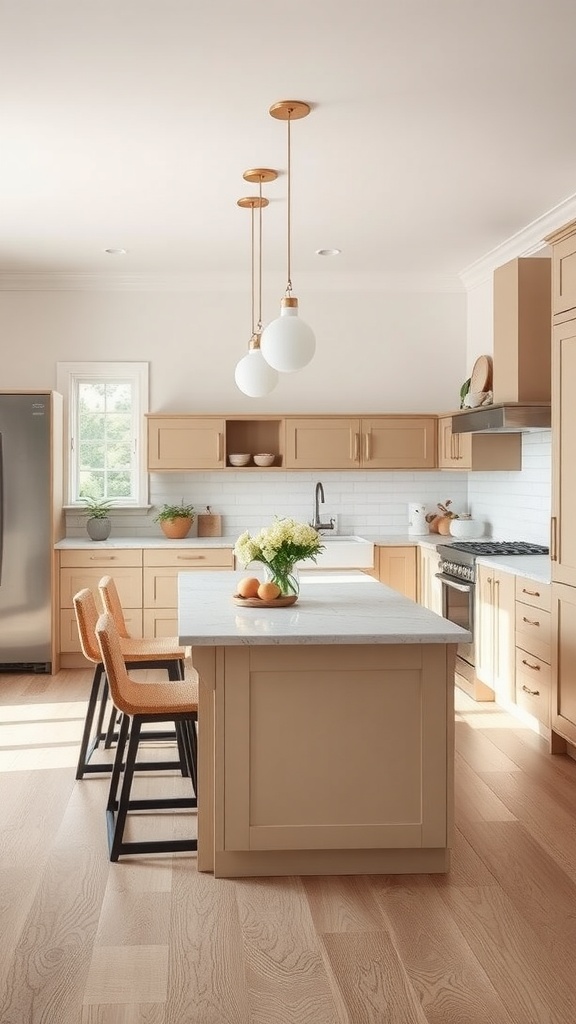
<point>256,602</point>
<point>481,376</point>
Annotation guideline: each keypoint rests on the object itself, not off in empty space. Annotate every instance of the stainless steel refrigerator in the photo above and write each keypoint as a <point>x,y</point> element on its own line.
<point>30,523</point>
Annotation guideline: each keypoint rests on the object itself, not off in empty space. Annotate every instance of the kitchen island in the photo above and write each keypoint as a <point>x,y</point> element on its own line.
<point>326,737</point>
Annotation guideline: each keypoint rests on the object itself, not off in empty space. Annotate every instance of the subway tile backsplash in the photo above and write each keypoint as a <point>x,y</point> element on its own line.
<point>513,506</point>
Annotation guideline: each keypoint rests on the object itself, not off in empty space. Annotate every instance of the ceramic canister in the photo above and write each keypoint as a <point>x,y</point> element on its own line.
<point>417,525</point>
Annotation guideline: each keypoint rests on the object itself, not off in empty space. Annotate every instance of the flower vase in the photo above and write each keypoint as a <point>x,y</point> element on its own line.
<point>287,579</point>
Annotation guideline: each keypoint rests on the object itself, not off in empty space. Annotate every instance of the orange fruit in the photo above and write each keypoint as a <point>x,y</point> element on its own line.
<point>248,587</point>
<point>269,591</point>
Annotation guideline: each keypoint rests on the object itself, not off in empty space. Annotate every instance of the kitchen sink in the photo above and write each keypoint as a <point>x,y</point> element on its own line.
<point>343,551</point>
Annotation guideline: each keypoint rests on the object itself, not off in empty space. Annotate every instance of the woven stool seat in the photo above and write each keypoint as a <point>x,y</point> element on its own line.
<point>165,647</point>
<point>141,704</point>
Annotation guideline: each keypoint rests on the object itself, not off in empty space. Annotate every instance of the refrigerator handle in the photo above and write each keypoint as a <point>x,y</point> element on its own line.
<point>1,507</point>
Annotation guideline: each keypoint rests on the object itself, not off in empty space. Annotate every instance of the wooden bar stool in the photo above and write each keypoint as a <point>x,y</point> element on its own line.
<point>169,661</point>
<point>136,646</point>
<point>140,704</point>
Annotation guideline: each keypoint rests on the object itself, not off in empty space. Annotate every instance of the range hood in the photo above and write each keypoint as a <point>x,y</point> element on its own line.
<point>508,417</point>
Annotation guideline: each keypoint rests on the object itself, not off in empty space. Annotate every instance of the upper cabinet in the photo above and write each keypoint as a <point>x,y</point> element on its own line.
<point>380,442</point>
<point>564,268</point>
<point>187,442</point>
<point>522,323</point>
<point>482,451</point>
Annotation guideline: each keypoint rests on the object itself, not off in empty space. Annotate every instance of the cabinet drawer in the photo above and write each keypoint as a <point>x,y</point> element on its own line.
<point>533,686</point>
<point>539,595</point>
<point>533,630</point>
<point>128,582</point>
<point>106,559</point>
<point>190,558</point>
<point>160,624</point>
<point>161,583</point>
<point>69,639</point>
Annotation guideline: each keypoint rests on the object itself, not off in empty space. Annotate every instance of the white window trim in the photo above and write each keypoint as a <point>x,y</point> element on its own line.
<point>66,376</point>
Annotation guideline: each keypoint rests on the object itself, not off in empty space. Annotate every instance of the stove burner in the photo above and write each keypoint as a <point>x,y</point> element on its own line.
<point>503,547</point>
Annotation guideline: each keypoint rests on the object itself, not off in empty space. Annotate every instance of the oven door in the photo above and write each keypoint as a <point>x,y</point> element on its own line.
<point>458,607</point>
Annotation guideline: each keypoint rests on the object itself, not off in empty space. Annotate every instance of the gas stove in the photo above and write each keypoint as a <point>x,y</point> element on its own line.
<point>458,560</point>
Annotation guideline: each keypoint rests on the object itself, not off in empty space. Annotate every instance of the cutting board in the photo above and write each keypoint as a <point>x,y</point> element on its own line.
<point>209,525</point>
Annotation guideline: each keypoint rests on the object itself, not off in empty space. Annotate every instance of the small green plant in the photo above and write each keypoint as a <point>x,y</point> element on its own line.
<point>97,508</point>
<point>180,511</point>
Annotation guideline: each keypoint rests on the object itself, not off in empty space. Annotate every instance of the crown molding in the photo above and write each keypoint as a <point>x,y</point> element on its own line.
<point>527,242</point>
<point>222,282</point>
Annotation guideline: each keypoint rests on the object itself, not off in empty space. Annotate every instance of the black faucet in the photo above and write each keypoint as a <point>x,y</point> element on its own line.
<point>317,522</point>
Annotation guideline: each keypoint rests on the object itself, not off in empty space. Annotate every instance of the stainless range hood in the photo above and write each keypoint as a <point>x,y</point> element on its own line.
<point>508,417</point>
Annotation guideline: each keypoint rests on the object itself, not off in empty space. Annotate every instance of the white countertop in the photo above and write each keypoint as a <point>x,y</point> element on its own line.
<point>531,567</point>
<point>333,608</point>
<point>113,543</point>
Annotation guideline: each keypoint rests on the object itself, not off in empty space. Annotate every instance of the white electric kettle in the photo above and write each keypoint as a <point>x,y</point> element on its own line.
<point>417,525</point>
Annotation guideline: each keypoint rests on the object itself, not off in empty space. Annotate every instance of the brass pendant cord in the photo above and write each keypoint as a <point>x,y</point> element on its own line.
<point>252,259</point>
<point>289,206</point>
<point>259,325</point>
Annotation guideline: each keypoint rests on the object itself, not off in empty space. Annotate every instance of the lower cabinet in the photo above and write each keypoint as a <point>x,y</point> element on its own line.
<point>533,648</point>
<point>429,588</point>
<point>495,631</point>
<point>147,586</point>
<point>563,704</point>
<point>85,568</point>
<point>161,570</point>
<point>396,567</point>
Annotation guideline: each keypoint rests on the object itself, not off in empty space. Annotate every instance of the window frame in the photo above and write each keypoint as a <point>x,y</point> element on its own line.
<point>68,376</point>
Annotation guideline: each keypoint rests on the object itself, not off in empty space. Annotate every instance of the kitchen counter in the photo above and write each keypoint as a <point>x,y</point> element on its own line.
<point>531,567</point>
<point>114,543</point>
<point>326,728</point>
<point>336,607</point>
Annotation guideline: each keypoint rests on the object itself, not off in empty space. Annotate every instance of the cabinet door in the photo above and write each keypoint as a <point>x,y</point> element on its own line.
<point>454,450</point>
<point>322,443</point>
<point>396,442</point>
<point>429,588</point>
<point>161,581</point>
<point>128,582</point>
<point>564,275</point>
<point>495,631</point>
<point>397,569</point>
<point>185,442</point>
<point>563,547</point>
<point>563,709</point>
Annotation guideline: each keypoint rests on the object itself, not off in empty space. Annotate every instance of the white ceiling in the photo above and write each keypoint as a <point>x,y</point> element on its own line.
<point>439,129</point>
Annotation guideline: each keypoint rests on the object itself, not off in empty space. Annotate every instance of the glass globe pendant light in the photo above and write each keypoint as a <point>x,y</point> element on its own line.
<point>253,375</point>
<point>288,344</point>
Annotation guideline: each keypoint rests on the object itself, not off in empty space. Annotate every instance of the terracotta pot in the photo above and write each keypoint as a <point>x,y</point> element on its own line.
<point>178,528</point>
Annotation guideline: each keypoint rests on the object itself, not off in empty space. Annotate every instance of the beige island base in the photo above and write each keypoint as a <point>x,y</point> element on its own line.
<point>325,729</point>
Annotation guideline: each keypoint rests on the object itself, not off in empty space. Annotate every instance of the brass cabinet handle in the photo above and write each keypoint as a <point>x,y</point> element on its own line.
<point>553,539</point>
<point>102,558</point>
<point>356,455</point>
<point>452,446</point>
<point>533,693</point>
<point>219,440</point>
<point>531,593</point>
<point>530,622</point>
<point>367,446</point>
<point>189,558</point>
<point>459,446</point>
<point>535,668</point>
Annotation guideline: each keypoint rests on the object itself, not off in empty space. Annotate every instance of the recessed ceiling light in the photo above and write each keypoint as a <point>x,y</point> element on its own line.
<point>328,252</point>
<point>116,252</point>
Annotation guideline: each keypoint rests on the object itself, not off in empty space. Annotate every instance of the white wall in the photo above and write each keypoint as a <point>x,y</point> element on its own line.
<point>516,506</point>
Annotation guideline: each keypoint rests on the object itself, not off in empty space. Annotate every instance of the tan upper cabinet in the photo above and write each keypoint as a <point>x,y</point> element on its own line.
<point>522,324</point>
<point>482,452</point>
<point>380,442</point>
<point>185,442</point>
<point>563,244</point>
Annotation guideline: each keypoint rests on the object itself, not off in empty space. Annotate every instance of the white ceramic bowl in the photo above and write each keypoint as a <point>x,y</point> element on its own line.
<point>264,459</point>
<point>466,529</point>
<point>239,459</point>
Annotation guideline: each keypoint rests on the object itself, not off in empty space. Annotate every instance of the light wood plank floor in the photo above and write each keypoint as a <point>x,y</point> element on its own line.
<point>150,940</point>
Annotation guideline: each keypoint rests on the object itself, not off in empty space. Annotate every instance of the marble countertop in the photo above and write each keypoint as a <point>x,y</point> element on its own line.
<point>530,567</point>
<point>333,608</point>
<point>113,543</point>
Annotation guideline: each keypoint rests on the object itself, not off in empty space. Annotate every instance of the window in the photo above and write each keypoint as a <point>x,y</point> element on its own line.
<point>105,404</point>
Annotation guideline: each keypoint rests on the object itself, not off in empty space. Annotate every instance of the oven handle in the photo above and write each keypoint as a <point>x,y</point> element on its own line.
<point>464,587</point>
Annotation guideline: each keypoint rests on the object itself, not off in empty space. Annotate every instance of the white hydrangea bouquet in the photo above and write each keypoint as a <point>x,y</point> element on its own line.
<point>279,547</point>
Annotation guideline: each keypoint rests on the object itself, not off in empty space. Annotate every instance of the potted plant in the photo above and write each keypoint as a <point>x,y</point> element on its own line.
<point>175,520</point>
<point>99,523</point>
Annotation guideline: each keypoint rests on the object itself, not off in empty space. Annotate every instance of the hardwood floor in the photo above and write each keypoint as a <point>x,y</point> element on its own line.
<point>150,940</point>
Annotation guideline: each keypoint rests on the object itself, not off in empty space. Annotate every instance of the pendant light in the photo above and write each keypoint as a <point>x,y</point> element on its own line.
<point>253,375</point>
<point>288,344</point>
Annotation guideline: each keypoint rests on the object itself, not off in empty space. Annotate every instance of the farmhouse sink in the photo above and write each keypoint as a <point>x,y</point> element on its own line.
<point>343,552</point>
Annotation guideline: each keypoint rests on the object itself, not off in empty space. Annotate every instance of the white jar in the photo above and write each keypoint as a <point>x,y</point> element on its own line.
<point>466,528</point>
